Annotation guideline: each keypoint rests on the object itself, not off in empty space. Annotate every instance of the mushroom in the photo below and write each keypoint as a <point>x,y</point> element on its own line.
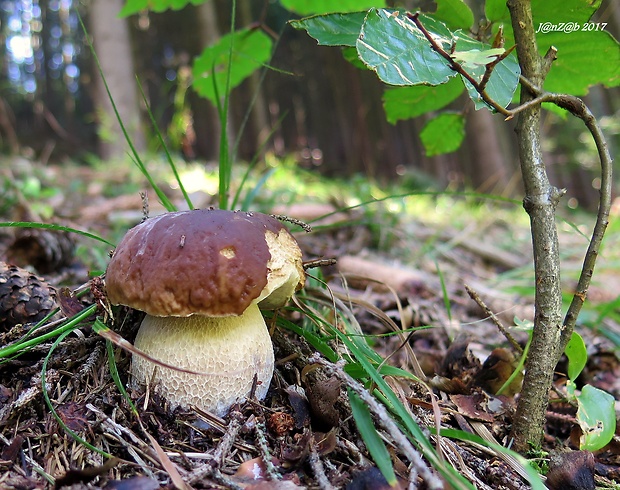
<point>201,277</point>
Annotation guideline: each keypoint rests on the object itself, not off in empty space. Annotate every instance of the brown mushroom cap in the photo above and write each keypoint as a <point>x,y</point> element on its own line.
<point>205,262</point>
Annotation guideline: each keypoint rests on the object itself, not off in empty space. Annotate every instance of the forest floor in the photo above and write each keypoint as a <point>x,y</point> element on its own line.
<point>404,266</point>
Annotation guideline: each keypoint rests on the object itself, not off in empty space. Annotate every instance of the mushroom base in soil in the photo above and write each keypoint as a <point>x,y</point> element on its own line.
<point>228,352</point>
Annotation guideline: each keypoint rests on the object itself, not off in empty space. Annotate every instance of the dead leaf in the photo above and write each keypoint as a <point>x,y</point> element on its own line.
<point>299,402</point>
<point>322,396</point>
<point>472,406</point>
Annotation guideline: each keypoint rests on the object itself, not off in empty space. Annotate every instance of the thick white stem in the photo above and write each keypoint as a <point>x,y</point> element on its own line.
<point>227,351</point>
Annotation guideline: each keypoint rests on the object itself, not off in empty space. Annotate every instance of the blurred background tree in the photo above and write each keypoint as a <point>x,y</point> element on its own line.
<point>52,105</point>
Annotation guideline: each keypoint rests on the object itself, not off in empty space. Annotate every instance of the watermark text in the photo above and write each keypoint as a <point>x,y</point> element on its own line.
<point>568,27</point>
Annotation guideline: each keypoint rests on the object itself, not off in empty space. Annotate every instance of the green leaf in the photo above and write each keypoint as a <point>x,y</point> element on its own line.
<point>309,7</point>
<point>577,355</point>
<point>392,46</point>
<point>475,58</point>
<point>135,6</point>
<point>443,134</point>
<point>597,418</point>
<point>504,78</point>
<point>371,438</point>
<point>407,102</point>
<point>333,29</point>
<point>350,54</point>
<point>496,11</point>
<point>584,59</point>
<point>556,11</point>
<point>553,11</point>
<point>251,50</point>
<point>455,13</point>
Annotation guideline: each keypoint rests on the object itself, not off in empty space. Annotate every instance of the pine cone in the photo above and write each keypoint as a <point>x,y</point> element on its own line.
<point>46,250</point>
<point>24,297</point>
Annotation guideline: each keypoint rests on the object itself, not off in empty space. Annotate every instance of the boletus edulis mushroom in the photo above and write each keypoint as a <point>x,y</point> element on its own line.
<point>201,277</point>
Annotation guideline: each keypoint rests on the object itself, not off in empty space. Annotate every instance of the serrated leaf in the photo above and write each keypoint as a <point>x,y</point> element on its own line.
<point>135,6</point>
<point>392,46</point>
<point>371,438</point>
<point>455,13</point>
<point>443,134</point>
<point>597,418</point>
<point>408,102</point>
<point>251,50</point>
<point>577,355</point>
<point>309,7</point>
<point>333,29</point>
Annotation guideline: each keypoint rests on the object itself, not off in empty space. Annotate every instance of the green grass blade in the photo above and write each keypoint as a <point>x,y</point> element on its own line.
<point>371,438</point>
<point>249,198</point>
<point>171,163</point>
<point>363,354</point>
<point>255,95</point>
<point>49,404</point>
<point>251,166</point>
<point>68,326</point>
<point>356,371</point>
<point>225,164</point>
<point>160,194</point>
<point>314,340</point>
<point>51,226</point>
<point>115,376</point>
<point>136,157</point>
<point>413,430</point>
<point>532,476</point>
<point>476,195</point>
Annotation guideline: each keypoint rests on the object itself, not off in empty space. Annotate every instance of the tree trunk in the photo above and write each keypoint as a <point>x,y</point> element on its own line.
<point>113,46</point>
<point>540,202</point>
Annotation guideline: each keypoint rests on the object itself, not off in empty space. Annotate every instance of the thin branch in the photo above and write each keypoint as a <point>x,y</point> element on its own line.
<point>457,66</point>
<point>602,218</point>
<point>317,467</point>
<point>500,326</point>
<point>576,107</point>
<point>491,66</point>
<point>579,109</point>
<point>214,463</point>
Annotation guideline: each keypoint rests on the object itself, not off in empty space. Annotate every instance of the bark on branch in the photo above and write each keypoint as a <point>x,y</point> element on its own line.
<point>550,334</point>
